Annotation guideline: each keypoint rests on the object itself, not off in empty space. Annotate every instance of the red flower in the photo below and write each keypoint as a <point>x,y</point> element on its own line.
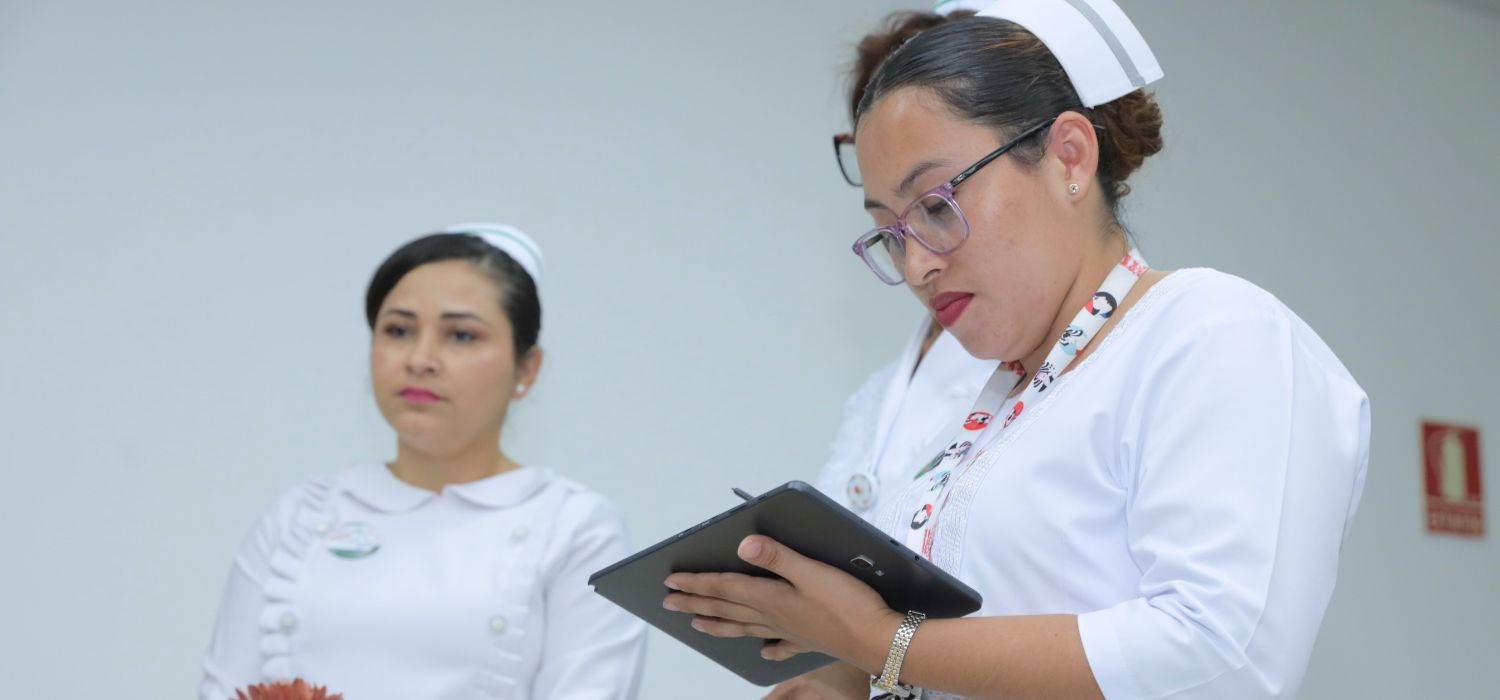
<point>295,690</point>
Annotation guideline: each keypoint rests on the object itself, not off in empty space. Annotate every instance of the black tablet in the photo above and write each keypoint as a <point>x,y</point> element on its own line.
<point>800,517</point>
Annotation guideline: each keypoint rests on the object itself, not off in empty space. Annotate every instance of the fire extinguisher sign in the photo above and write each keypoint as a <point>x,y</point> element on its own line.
<point>1451,473</point>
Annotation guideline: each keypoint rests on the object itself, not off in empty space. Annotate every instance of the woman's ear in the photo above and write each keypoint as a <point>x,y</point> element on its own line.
<point>1073,145</point>
<point>527,369</point>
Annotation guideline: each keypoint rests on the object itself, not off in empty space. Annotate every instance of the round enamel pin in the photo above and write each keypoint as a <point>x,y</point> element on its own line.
<point>354,540</point>
<point>861,491</point>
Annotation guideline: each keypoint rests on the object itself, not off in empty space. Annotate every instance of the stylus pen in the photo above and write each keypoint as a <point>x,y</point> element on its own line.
<point>741,493</point>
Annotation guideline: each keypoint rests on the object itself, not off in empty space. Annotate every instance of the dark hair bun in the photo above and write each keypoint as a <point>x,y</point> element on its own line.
<point>1132,133</point>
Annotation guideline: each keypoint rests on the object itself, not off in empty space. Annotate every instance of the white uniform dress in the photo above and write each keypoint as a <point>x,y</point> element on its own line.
<point>1185,490</point>
<point>897,420</point>
<point>384,591</point>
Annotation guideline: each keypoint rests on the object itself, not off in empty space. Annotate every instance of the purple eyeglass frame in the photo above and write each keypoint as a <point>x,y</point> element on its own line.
<point>899,231</point>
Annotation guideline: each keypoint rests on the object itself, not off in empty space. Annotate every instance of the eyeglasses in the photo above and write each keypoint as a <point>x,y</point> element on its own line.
<point>843,150</point>
<point>934,219</point>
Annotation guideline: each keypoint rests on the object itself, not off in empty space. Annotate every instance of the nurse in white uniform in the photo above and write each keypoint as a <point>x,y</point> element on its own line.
<point>891,425</point>
<point>1152,491</point>
<point>453,572</point>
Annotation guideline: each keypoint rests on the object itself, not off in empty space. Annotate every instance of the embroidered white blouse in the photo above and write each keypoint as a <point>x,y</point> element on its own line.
<point>897,420</point>
<point>1185,490</point>
<point>382,590</point>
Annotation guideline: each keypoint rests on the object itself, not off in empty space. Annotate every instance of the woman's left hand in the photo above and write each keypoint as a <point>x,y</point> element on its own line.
<point>812,607</point>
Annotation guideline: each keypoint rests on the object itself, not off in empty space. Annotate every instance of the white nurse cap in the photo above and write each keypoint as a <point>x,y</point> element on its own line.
<point>511,241</point>
<point>1101,50</point>
<point>948,7</point>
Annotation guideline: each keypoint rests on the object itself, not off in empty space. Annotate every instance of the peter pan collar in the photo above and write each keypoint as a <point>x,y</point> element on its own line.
<point>374,485</point>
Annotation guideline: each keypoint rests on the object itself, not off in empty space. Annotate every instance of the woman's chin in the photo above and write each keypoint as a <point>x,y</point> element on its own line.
<point>424,434</point>
<point>975,343</point>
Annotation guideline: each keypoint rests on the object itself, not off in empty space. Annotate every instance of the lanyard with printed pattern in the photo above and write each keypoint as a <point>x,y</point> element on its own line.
<point>961,452</point>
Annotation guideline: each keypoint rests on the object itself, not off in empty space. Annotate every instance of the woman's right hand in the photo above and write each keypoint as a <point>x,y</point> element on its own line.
<point>838,681</point>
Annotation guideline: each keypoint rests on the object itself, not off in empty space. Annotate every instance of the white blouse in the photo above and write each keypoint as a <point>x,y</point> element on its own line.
<point>382,590</point>
<point>1185,490</point>
<point>898,419</point>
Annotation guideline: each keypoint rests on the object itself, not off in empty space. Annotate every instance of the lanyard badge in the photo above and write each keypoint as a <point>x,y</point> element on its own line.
<point>982,427</point>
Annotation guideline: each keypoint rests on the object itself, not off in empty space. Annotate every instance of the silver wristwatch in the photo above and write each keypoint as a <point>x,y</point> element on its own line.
<point>888,680</point>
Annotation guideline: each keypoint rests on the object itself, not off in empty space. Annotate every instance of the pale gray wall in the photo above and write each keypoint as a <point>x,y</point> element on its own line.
<point>192,196</point>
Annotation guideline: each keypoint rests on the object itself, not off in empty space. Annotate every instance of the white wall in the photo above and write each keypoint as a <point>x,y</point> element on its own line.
<point>1342,155</point>
<point>192,196</point>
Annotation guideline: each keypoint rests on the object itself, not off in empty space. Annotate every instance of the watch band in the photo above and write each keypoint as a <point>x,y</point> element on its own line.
<point>889,677</point>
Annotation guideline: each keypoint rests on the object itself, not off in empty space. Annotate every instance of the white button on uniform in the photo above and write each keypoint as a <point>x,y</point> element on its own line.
<point>519,534</point>
<point>497,624</point>
<point>288,621</point>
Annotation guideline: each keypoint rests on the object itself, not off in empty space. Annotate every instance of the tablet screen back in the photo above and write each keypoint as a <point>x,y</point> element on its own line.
<point>800,517</point>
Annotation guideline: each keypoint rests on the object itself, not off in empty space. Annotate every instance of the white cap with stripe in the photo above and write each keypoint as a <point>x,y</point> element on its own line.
<point>509,240</point>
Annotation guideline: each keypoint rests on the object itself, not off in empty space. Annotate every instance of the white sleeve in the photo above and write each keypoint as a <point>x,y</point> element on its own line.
<point>1243,463</point>
<point>856,431</point>
<point>592,649</point>
<point>234,659</point>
